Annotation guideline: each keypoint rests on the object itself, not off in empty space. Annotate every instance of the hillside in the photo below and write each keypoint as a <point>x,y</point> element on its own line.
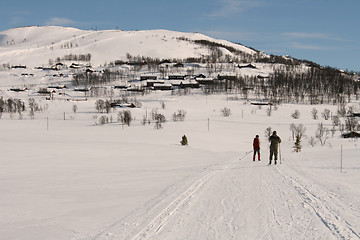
<point>34,46</point>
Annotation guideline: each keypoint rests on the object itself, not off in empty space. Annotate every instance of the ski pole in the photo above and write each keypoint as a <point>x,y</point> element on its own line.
<point>280,153</point>
<point>247,153</point>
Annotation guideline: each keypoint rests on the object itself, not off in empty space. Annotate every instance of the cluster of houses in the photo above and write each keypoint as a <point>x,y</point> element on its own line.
<point>151,82</point>
<point>148,82</point>
<point>145,82</point>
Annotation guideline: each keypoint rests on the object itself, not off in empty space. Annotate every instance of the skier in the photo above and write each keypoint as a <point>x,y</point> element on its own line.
<point>274,144</point>
<point>256,146</point>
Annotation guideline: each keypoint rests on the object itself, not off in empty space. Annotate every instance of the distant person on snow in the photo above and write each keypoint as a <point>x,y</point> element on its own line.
<point>274,145</point>
<point>256,146</point>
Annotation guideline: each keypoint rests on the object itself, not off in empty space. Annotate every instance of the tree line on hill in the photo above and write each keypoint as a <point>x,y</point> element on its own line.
<point>314,86</point>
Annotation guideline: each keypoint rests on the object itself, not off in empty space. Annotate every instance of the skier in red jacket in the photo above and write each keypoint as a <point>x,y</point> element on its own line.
<point>256,146</point>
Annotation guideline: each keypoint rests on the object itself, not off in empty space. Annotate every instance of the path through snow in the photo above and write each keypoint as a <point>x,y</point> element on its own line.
<point>244,200</point>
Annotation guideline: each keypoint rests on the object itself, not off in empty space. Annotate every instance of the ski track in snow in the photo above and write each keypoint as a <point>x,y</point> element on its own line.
<point>292,208</point>
<point>322,208</point>
<point>167,214</point>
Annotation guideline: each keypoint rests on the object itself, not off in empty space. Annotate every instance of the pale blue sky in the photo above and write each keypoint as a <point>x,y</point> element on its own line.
<point>324,31</point>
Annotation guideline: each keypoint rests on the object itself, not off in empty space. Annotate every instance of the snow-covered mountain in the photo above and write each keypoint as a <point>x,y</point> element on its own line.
<point>35,45</point>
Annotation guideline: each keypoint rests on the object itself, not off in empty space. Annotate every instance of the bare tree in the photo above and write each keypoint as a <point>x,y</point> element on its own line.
<point>32,107</point>
<point>125,117</point>
<point>179,116</point>
<point>351,124</point>
<point>74,108</point>
<point>107,106</point>
<point>322,134</point>
<point>225,112</point>
<point>269,111</point>
<point>300,130</point>
<point>163,106</point>
<point>336,120</point>
<point>293,129</point>
<point>268,132</point>
<point>314,113</point>
<point>296,114</point>
<point>159,120</point>
<point>100,105</point>
<point>312,141</point>
<point>2,106</point>
<point>326,114</point>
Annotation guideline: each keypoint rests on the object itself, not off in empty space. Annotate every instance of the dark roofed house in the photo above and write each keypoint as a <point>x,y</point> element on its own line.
<point>150,83</point>
<point>351,135</point>
<point>59,65</point>
<point>200,76</point>
<point>45,91</point>
<point>18,89</point>
<point>247,66</point>
<point>49,69</point>
<point>262,76</point>
<point>179,65</point>
<point>205,81</point>
<point>18,66</point>
<point>176,77</point>
<point>27,74</point>
<point>226,77</point>
<point>57,86</point>
<point>163,87</point>
<point>147,77</point>
<point>75,65</point>
<point>82,89</point>
<point>135,88</point>
<point>166,61</point>
<point>189,84</point>
<point>124,86</point>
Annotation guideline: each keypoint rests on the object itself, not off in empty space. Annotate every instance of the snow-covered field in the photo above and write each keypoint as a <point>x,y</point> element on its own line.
<point>73,179</point>
<point>64,176</point>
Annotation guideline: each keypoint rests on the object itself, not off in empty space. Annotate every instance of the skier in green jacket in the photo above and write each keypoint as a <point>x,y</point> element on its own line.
<point>274,145</point>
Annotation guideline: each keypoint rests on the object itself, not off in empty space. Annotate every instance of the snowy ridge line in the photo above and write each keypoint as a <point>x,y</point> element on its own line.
<point>321,208</point>
<point>107,45</point>
<point>155,226</point>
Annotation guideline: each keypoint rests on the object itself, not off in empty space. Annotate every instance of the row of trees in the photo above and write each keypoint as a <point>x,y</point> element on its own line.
<point>11,105</point>
<point>125,116</point>
<point>18,106</point>
<point>94,78</point>
<point>317,86</point>
<point>322,134</point>
<point>314,86</point>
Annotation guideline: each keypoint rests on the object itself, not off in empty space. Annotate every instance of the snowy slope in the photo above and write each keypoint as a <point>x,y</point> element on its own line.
<point>76,180</point>
<point>34,46</point>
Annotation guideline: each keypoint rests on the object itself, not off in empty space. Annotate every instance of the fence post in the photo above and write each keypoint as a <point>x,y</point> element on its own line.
<point>341,159</point>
